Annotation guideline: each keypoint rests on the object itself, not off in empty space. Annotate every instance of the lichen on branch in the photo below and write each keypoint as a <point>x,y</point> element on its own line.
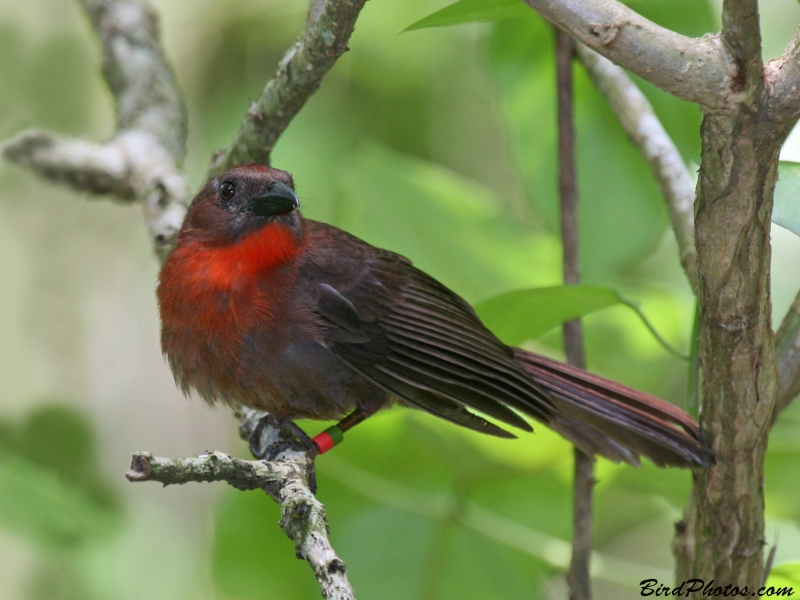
<point>141,162</point>
<point>286,480</point>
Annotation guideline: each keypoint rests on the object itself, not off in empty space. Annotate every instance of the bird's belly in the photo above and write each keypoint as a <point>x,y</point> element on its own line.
<point>301,380</point>
<point>289,375</point>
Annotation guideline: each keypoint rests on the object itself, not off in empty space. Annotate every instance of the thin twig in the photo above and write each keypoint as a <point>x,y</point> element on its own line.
<point>286,480</point>
<point>645,130</point>
<point>579,576</point>
<point>580,568</point>
<point>568,182</point>
<point>698,70</point>
<point>323,40</point>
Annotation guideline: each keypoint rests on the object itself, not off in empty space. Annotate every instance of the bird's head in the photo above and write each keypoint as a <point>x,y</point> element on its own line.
<point>241,202</point>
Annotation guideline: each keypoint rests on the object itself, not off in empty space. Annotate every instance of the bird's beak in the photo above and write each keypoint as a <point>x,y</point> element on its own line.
<point>279,200</point>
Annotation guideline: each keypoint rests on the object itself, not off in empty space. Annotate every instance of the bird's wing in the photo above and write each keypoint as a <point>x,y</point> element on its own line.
<point>412,336</point>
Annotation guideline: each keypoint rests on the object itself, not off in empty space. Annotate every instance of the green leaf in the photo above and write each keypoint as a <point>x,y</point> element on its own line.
<point>786,211</point>
<point>687,17</point>
<point>694,15</point>
<point>472,11</point>
<point>528,314</point>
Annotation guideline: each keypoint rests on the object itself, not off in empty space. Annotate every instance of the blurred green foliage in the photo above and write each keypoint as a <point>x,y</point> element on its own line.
<point>49,485</point>
<point>438,144</point>
<point>452,226</point>
<point>621,209</point>
<point>52,494</point>
<point>783,578</point>
<point>523,315</point>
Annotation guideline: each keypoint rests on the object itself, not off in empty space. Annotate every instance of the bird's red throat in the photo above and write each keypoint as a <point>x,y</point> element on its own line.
<point>226,267</point>
<point>209,288</point>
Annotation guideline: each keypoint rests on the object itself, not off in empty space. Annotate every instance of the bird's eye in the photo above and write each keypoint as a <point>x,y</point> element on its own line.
<point>227,190</point>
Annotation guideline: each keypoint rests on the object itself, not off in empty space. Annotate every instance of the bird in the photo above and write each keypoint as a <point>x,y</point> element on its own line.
<point>264,308</point>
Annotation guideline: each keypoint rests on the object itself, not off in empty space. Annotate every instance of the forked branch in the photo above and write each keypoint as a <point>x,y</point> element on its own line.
<point>698,70</point>
<point>142,160</point>
<point>286,480</point>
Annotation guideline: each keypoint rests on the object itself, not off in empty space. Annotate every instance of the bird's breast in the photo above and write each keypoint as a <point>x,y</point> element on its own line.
<point>251,338</point>
<point>208,321</point>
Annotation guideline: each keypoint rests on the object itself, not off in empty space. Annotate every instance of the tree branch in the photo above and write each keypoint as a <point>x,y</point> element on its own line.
<point>134,67</point>
<point>323,40</point>
<point>742,36</point>
<point>645,130</point>
<point>141,162</point>
<point>782,82</point>
<point>286,480</point>
<point>782,105</point>
<point>132,166</point>
<point>787,356</point>
<point>698,70</point>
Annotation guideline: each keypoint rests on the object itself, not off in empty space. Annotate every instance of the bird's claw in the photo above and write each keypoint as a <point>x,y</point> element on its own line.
<point>274,435</point>
<point>287,436</point>
<point>308,448</point>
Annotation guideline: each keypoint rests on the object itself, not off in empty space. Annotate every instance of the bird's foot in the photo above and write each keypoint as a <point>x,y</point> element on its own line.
<point>275,435</point>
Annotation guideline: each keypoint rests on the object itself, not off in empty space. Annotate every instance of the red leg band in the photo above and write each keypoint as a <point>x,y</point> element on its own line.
<point>324,442</point>
<point>328,439</point>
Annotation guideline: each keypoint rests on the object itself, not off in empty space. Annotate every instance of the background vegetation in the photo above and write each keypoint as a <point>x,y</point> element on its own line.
<point>439,144</point>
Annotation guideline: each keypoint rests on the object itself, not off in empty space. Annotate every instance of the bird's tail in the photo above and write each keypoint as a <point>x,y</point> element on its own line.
<point>603,417</point>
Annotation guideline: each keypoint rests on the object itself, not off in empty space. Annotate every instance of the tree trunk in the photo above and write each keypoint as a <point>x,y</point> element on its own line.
<point>721,537</point>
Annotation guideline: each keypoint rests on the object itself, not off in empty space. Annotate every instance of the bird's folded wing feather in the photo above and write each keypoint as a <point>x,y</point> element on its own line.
<point>415,338</point>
